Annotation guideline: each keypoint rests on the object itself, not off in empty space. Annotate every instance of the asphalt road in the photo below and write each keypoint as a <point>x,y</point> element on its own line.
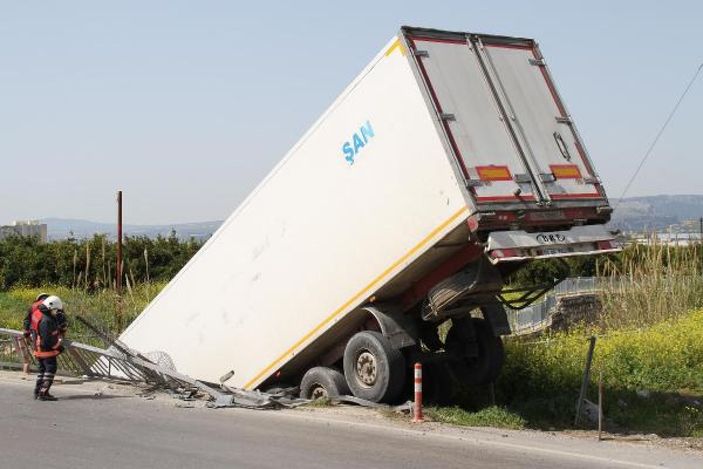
<point>124,431</point>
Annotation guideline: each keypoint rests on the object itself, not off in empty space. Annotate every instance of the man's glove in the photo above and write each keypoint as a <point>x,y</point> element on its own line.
<point>60,348</point>
<point>27,334</point>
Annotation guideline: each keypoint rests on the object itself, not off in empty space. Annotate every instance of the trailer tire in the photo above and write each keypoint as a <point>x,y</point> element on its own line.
<point>322,382</point>
<point>374,370</point>
<point>438,386</point>
<point>486,367</point>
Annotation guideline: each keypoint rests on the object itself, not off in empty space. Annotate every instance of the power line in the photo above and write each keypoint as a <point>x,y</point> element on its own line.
<point>659,134</point>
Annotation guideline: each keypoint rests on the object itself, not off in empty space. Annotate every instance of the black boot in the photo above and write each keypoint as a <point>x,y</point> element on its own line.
<point>46,385</point>
<point>45,396</point>
<point>37,387</point>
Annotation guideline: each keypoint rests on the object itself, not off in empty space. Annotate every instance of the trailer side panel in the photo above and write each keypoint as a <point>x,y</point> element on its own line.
<point>365,192</point>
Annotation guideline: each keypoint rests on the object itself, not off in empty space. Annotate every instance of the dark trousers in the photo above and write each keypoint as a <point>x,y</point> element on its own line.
<point>45,378</point>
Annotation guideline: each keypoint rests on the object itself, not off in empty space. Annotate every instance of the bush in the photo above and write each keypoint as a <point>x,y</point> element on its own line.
<point>90,263</point>
<point>541,380</point>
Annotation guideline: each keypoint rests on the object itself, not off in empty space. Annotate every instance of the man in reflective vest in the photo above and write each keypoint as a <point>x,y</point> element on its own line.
<point>47,346</point>
<point>31,322</point>
<point>33,316</point>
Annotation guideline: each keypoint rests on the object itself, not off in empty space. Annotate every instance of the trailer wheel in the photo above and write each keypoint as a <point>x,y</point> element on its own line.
<point>485,367</point>
<point>374,370</point>
<point>321,382</point>
<point>438,387</point>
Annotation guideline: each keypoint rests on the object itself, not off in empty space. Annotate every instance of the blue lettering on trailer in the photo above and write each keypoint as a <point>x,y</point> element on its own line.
<point>352,147</point>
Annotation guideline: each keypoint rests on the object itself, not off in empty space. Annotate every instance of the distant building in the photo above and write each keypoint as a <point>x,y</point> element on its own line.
<point>667,239</point>
<point>25,228</point>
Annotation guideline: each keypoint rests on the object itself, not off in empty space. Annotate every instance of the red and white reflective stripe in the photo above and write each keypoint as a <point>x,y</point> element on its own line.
<point>504,253</point>
<point>604,245</point>
<point>417,408</point>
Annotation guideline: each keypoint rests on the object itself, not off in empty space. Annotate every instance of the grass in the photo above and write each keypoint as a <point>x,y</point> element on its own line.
<point>653,377</point>
<point>664,357</point>
<point>653,381</point>
<point>99,307</point>
<point>651,284</point>
<point>649,350</point>
<point>493,416</point>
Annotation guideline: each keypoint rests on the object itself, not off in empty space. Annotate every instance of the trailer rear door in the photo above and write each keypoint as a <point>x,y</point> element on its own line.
<point>503,118</point>
<point>473,121</point>
<point>540,120</point>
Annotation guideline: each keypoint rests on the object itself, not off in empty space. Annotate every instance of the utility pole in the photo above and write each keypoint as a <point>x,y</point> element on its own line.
<point>118,268</point>
<point>701,230</point>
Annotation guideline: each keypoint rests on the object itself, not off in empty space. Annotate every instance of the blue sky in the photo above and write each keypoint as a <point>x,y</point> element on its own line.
<point>187,105</point>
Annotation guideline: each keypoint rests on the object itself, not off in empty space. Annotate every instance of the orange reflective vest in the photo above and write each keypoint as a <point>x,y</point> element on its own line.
<point>54,345</point>
<point>35,317</point>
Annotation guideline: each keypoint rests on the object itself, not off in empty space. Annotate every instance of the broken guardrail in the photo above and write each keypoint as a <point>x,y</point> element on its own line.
<point>118,362</point>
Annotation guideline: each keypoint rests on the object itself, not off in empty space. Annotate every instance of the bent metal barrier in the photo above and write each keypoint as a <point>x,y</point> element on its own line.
<point>93,362</point>
<point>120,363</point>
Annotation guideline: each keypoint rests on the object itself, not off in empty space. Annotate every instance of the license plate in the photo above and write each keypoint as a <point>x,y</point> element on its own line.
<point>550,251</point>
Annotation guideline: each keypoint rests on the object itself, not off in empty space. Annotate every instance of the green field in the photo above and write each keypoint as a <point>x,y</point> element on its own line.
<point>653,381</point>
<point>98,307</point>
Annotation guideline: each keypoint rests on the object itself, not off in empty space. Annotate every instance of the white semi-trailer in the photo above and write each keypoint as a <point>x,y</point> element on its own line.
<point>446,165</point>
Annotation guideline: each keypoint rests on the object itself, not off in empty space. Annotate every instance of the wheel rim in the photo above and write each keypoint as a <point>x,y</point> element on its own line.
<point>366,369</point>
<point>318,392</point>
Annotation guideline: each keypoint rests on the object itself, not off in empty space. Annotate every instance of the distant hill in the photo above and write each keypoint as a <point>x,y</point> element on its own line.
<point>633,214</point>
<point>62,228</point>
<point>657,212</point>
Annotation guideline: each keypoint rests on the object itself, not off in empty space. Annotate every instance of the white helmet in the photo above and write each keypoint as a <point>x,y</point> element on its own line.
<point>53,303</point>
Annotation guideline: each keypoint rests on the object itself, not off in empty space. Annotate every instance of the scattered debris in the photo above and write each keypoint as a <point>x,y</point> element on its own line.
<point>118,363</point>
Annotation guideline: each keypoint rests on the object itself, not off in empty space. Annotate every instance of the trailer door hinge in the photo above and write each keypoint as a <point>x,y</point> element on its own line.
<point>469,44</point>
<point>547,177</point>
<point>522,178</point>
<point>474,183</point>
<point>421,53</point>
<point>564,120</point>
<point>591,180</point>
<point>445,116</point>
<point>537,62</point>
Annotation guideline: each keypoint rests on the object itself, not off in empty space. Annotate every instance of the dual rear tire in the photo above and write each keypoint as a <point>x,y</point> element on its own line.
<point>373,370</point>
<point>376,371</point>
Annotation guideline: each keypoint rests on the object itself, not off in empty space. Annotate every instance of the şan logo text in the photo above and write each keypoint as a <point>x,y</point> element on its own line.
<point>352,147</point>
